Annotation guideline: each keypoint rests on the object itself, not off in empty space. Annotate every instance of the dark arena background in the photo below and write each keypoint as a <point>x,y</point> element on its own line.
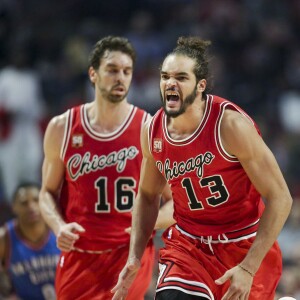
<point>255,63</point>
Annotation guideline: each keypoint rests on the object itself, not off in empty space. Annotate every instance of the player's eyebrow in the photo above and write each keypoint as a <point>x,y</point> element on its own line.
<point>177,74</point>
<point>112,65</point>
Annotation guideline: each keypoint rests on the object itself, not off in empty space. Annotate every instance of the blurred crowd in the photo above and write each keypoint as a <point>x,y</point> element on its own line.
<point>44,47</point>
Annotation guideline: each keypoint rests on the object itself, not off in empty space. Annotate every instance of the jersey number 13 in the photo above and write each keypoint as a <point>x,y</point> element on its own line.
<point>215,184</point>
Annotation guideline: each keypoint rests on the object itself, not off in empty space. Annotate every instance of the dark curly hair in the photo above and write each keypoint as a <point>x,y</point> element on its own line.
<point>110,43</point>
<point>24,185</point>
<point>196,49</point>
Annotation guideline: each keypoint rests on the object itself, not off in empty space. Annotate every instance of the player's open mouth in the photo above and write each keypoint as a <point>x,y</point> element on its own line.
<point>174,97</point>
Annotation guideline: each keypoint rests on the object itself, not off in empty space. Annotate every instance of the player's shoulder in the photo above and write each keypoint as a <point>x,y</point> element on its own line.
<point>232,112</point>
<point>55,131</point>
<point>233,121</point>
<point>235,118</point>
<point>146,126</point>
<point>57,124</point>
<point>59,121</point>
<point>143,113</point>
<point>236,129</point>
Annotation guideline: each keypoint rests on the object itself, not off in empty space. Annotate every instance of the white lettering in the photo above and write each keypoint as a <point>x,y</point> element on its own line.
<point>79,165</point>
<point>180,168</point>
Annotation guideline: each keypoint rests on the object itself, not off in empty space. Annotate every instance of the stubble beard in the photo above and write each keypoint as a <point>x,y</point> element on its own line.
<point>115,99</point>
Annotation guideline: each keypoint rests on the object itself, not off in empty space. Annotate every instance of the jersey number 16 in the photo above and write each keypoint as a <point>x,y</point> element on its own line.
<point>124,194</point>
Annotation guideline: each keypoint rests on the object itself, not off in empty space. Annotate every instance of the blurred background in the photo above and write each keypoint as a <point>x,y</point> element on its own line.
<point>44,46</point>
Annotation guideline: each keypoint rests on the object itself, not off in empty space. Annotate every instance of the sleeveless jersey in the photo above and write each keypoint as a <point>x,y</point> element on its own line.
<point>32,270</point>
<point>101,178</point>
<point>212,193</point>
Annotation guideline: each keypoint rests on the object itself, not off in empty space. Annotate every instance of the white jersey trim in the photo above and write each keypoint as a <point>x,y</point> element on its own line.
<point>196,133</point>
<point>189,282</point>
<point>184,291</point>
<point>103,136</point>
<point>222,238</point>
<point>146,118</point>
<point>218,139</point>
<point>150,131</point>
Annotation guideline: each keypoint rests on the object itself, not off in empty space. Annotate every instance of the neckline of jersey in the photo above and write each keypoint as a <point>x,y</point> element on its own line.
<point>105,136</point>
<point>197,131</point>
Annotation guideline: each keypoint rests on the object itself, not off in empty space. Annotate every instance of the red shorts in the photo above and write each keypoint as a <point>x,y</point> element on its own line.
<point>83,276</point>
<point>192,266</point>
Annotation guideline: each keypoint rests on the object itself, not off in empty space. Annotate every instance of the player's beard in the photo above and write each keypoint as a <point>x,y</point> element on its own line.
<point>110,97</point>
<point>189,100</point>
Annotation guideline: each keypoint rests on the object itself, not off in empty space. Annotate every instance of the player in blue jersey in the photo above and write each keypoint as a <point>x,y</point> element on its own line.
<point>28,251</point>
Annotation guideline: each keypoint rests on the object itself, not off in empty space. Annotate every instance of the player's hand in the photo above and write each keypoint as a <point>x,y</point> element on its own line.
<point>240,285</point>
<point>67,235</point>
<point>126,278</point>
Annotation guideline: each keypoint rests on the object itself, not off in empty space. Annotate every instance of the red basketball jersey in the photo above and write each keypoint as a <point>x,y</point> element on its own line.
<point>211,191</point>
<point>101,178</point>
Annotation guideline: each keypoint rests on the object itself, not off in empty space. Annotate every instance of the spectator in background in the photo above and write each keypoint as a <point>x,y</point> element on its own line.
<point>28,251</point>
<point>20,114</point>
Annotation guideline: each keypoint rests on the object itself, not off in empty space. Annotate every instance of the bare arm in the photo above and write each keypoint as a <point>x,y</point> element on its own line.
<point>5,284</point>
<point>263,171</point>
<point>145,213</point>
<point>146,207</point>
<point>165,214</point>
<point>52,173</point>
<point>52,178</point>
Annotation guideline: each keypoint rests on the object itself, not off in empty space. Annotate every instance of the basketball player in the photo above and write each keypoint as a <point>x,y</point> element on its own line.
<point>210,151</point>
<point>90,178</point>
<point>28,249</point>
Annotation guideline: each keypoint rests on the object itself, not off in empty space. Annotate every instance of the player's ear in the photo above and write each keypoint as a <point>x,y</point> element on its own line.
<point>92,74</point>
<point>201,85</point>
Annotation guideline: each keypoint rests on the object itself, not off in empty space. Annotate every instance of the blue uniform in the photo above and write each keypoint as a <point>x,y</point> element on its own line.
<point>32,270</point>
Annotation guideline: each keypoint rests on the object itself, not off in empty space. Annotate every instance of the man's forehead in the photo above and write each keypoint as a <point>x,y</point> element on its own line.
<point>23,192</point>
<point>116,58</point>
<point>178,64</point>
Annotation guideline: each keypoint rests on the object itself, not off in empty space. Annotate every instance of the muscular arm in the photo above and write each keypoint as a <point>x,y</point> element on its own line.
<point>240,138</point>
<point>52,173</point>
<point>52,178</point>
<point>165,214</point>
<point>146,206</point>
<point>263,171</point>
<point>145,213</point>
